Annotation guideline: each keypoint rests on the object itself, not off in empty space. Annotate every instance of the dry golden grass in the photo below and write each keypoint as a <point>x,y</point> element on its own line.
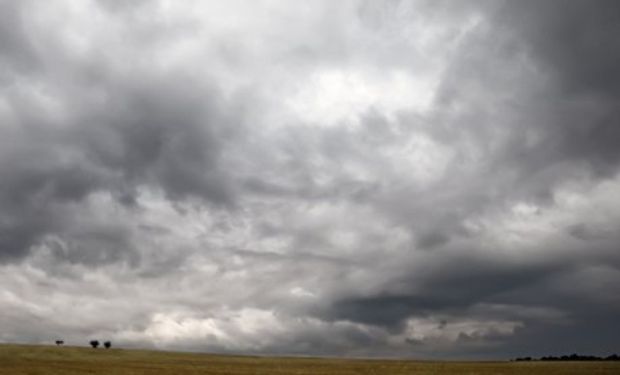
<point>49,360</point>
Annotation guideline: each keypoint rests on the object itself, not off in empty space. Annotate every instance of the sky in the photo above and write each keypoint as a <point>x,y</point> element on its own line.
<point>419,179</point>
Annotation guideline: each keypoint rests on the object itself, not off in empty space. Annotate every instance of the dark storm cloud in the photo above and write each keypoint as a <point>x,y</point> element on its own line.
<point>574,39</point>
<point>534,137</point>
<point>117,131</point>
<point>534,70</point>
<point>160,134</point>
<point>450,286</point>
<point>575,43</point>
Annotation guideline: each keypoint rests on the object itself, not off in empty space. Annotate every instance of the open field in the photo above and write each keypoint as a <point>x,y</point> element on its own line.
<point>49,360</point>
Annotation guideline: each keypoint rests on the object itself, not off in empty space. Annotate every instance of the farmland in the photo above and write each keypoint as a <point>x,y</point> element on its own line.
<point>49,360</point>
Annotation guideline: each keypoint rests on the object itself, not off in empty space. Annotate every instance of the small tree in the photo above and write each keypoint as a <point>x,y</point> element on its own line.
<point>94,343</point>
<point>59,342</point>
<point>107,344</point>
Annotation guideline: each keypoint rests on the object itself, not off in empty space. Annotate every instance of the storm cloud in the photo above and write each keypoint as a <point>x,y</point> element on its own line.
<point>362,178</point>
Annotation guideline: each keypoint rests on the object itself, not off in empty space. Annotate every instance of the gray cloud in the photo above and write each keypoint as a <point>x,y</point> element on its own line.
<point>364,178</point>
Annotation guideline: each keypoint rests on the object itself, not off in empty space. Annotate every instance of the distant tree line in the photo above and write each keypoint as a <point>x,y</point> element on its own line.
<point>572,357</point>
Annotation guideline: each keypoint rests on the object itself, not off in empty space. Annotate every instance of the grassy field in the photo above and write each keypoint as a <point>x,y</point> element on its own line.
<point>49,360</point>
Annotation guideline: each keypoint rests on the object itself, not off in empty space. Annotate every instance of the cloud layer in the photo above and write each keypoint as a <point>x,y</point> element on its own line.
<point>413,178</point>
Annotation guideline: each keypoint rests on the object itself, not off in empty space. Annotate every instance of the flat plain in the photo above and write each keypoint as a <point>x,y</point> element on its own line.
<point>50,360</point>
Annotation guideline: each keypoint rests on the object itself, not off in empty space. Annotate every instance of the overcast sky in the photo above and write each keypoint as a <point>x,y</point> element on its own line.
<point>426,179</point>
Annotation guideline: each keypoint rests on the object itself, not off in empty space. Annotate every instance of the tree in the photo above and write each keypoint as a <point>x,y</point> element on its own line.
<point>94,343</point>
<point>107,344</point>
<point>59,342</point>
